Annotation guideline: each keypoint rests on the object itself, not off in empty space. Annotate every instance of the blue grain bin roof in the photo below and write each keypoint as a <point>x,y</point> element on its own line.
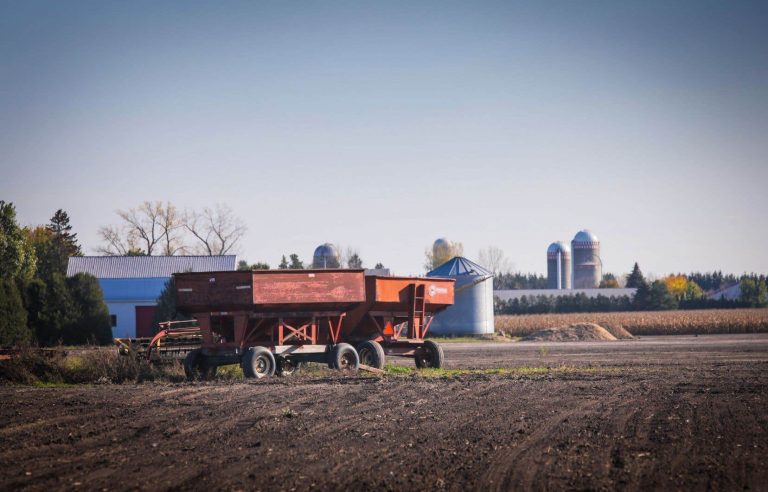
<point>147,266</point>
<point>459,266</point>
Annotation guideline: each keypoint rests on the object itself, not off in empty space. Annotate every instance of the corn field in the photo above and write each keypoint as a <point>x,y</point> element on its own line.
<point>646,323</point>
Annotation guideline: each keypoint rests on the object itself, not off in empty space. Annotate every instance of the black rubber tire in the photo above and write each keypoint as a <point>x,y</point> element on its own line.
<point>258,362</point>
<point>429,355</point>
<point>192,364</point>
<point>287,367</point>
<point>371,353</point>
<point>343,357</point>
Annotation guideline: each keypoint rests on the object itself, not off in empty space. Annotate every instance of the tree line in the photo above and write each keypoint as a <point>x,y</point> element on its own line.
<point>673,292</point>
<point>37,302</point>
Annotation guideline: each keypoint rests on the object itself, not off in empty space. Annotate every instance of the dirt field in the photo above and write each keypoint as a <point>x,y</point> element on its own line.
<point>660,413</point>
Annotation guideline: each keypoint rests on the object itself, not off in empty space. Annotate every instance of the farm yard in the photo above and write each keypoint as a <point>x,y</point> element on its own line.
<point>645,323</point>
<point>659,412</point>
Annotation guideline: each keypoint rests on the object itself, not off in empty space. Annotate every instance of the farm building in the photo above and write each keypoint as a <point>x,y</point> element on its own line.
<point>131,284</point>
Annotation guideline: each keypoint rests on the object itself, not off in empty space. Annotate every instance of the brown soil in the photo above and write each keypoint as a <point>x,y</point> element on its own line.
<point>656,413</point>
<point>571,333</point>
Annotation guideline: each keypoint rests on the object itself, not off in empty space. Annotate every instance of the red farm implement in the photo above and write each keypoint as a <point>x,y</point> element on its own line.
<point>272,321</point>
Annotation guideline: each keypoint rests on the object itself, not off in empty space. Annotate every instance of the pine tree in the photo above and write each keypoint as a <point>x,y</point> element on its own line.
<point>13,316</point>
<point>91,320</point>
<point>636,278</point>
<point>355,261</point>
<point>283,264</point>
<point>296,263</point>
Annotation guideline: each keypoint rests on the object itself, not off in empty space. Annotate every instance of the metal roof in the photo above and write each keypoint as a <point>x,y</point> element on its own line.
<point>558,246</point>
<point>585,236</point>
<point>147,266</point>
<point>459,266</point>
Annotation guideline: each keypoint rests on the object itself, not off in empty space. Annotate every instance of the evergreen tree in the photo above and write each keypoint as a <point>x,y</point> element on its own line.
<point>283,264</point>
<point>636,278</point>
<point>754,292</point>
<point>64,242</point>
<point>642,298</point>
<point>90,322</point>
<point>36,304</point>
<point>379,266</point>
<point>59,312</point>
<point>296,263</point>
<point>355,261</point>
<point>166,306</point>
<point>13,316</point>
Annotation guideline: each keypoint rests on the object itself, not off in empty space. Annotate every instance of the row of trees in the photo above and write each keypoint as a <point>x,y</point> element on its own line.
<point>672,292</point>
<point>157,228</point>
<point>37,302</point>
<point>293,262</point>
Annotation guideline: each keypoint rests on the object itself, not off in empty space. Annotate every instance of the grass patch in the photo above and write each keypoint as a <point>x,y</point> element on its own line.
<point>397,370</point>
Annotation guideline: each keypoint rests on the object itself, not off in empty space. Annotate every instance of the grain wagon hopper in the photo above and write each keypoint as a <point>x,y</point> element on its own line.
<point>271,321</point>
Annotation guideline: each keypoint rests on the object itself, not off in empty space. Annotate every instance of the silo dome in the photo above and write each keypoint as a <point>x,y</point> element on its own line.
<point>558,247</point>
<point>585,236</point>
<point>326,256</point>
<point>441,243</point>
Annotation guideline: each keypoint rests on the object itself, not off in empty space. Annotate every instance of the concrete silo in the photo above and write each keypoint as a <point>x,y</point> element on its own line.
<point>472,311</point>
<point>587,266</point>
<point>558,266</point>
<point>326,256</point>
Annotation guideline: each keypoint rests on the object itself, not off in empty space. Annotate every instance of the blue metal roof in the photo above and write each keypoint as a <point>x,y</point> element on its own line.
<point>459,266</point>
<point>148,266</point>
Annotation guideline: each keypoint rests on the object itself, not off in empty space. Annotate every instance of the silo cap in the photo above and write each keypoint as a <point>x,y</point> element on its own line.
<point>585,236</point>
<point>558,246</point>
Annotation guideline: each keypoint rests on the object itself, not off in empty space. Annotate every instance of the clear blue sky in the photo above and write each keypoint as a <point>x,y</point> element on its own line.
<point>384,125</point>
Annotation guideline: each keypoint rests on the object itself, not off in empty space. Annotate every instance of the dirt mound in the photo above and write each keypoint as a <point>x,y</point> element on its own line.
<point>619,332</point>
<point>571,333</point>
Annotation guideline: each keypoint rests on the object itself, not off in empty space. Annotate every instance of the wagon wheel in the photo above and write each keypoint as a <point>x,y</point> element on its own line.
<point>286,366</point>
<point>192,364</point>
<point>344,358</point>
<point>258,362</point>
<point>371,354</point>
<point>429,355</point>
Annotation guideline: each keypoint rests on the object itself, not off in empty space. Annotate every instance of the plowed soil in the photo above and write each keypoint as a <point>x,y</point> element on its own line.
<point>655,413</point>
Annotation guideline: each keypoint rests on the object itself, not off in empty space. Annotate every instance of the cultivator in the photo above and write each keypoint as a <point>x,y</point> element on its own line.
<point>174,341</point>
<point>272,321</point>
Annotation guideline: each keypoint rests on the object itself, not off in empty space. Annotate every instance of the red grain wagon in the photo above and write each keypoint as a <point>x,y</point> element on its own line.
<point>271,321</point>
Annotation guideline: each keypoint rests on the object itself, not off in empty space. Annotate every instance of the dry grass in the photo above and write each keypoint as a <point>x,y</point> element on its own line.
<point>97,366</point>
<point>646,323</point>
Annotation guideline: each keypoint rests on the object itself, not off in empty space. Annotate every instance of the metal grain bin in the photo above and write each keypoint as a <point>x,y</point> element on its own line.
<point>472,311</point>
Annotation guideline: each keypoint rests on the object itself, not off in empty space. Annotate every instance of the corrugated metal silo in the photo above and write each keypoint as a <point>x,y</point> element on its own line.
<point>587,266</point>
<point>472,311</point>
<point>326,256</point>
<point>558,266</point>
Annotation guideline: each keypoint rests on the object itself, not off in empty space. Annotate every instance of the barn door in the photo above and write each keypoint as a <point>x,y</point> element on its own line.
<point>144,315</point>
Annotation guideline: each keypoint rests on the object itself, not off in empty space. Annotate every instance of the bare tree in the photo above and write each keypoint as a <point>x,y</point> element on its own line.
<point>493,259</point>
<point>172,228</point>
<point>156,228</point>
<point>116,241</point>
<point>217,230</point>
